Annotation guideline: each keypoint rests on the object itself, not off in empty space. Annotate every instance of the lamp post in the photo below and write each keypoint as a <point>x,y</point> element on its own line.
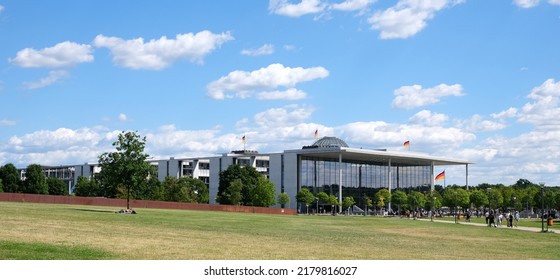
<point>455,204</point>
<point>542,206</point>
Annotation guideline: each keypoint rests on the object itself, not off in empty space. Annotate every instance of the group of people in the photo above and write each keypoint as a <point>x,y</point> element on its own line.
<point>496,219</point>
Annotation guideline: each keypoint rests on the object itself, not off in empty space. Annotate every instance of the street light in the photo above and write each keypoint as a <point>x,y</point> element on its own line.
<point>542,206</point>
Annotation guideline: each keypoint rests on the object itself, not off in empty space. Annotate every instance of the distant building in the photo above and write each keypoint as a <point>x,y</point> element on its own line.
<point>325,165</point>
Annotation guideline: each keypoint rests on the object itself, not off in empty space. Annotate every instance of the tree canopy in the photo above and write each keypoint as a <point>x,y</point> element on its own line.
<point>126,169</point>
<point>246,186</point>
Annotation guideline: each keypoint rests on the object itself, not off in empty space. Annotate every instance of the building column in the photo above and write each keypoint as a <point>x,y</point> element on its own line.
<point>340,182</point>
<point>432,186</point>
<point>467,175</point>
<point>390,183</point>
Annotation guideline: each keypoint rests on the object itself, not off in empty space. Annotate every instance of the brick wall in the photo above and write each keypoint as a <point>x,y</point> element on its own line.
<point>135,204</point>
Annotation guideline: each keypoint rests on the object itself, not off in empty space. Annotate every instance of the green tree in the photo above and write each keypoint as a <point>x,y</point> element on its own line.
<point>249,178</point>
<point>434,200</point>
<point>456,197</point>
<point>416,200</point>
<point>323,197</point>
<point>478,198</point>
<point>86,187</point>
<point>306,197</point>
<point>347,202</point>
<point>57,186</point>
<point>333,202</point>
<point>35,180</point>
<point>283,199</point>
<point>10,178</point>
<point>127,168</point>
<point>495,198</point>
<point>383,197</point>
<point>1,186</point>
<point>400,198</point>
<point>262,194</point>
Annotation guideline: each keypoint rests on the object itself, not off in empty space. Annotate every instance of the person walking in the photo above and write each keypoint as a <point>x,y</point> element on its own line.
<point>491,220</point>
<point>516,218</point>
<point>510,220</point>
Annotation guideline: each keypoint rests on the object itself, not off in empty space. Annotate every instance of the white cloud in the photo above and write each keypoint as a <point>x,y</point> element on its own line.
<point>352,5</point>
<point>275,75</point>
<point>428,118</point>
<point>53,77</point>
<point>477,123</point>
<point>1,8</point>
<point>123,117</point>
<point>282,117</point>
<point>290,94</point>
<point>407,17</point>
<point>160,53</point>
<point>285,8</point>
<point>526,3</point>
<point>266,49</point>
<point>509,113</point>
<point>408,97</point>
<point>554,2</point>
<point>63,54</point>
<point>7,122</point>
<point>543,112</point>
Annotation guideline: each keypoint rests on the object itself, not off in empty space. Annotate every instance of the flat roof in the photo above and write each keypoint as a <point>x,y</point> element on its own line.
<point>366,155</point>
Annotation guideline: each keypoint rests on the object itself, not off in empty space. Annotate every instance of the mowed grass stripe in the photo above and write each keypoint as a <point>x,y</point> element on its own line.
<point>179,234</point>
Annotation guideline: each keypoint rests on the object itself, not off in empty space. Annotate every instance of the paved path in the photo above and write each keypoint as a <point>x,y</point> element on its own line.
<point>533,229</point>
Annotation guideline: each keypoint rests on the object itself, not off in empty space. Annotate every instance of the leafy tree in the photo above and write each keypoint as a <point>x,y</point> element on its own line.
<point>1,188</point>
<point>383,197</point>
<point>232,195</point>
<point>347,202</point>
<point>87,187</point>
<point>416,200</point>
<point>262,194</point>
<point>57,186</point>
<point>495,198</point>
<point>434,200</point>
<point>334,202</point>
<point>323,197</point>
<point>153,190</point>
<point>249,178</point>
<point>10,178</point>
<point>35,180</point>
<point>478,198</point>
<point>305,196</point>
<point>456,198</point>
<point>400,198</point>
<point>283,199</point>
<point>127,168</point>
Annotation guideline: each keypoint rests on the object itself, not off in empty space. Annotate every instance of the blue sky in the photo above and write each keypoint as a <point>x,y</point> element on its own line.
<point>473,80</point>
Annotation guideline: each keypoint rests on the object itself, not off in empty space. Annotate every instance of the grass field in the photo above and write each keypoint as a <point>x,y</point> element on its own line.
<point>64,232</point>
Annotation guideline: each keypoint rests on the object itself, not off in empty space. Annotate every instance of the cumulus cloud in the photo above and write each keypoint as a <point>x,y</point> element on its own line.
<point>243,84</point>
<point>526,3</point>
<point>285,8</point>
<point>7,122</point>
<point>408,97</point>
<point>407,17</point>
<point>506,114</point>
<point>428,118</point>
<point>1,8</point>
<point>266,49</point>
<point>477,123</point>
<point>160,53</point>
<point>63,54</point>
<point>289,94</point>
<point>352,5</point>
<point>53,77</point>
<point>544,109</point>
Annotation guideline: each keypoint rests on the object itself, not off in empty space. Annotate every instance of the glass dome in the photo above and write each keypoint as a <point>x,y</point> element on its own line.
<point>329,142</point>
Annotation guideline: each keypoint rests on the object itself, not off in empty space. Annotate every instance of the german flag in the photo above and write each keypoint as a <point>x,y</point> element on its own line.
<point>243,139</point>
<point>406,144</point>
<point>440,176</point>
<point>316,133</point>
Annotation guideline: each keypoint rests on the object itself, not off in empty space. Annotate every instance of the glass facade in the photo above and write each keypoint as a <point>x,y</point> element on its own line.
<point>359,178</point>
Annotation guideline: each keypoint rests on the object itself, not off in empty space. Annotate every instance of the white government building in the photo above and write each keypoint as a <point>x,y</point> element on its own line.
<point>324,166</point>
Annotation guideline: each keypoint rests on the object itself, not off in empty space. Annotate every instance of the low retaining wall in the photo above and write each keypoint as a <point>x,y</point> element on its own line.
<point>121,203</point>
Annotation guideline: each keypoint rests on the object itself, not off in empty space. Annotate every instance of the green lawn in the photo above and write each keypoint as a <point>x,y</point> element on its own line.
<point>47,231</point>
